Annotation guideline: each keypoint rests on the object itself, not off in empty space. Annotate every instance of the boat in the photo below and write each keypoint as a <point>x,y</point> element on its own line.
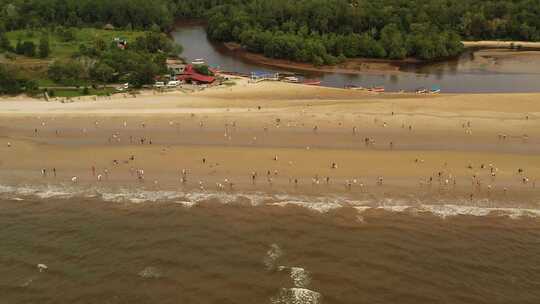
<point>291,79</point>
<point>198,61</point>
<point>435,90</point>
<point>314,82</point>
<point>357,88</point>
<point>421,91</point>
<point>376,89</point>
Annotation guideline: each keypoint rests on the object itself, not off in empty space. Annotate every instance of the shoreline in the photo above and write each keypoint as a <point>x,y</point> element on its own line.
<point>371,66</point>
<point>355,66</point>
<point>290,135</point>
<point>502,44</point>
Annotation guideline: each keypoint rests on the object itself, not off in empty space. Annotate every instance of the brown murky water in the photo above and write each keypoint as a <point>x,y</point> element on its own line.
<point>104,252</point>
<point>470,73</point>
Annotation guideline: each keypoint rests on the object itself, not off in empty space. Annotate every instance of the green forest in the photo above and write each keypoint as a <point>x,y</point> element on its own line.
<point>318,31</point>
<point>315,31</point>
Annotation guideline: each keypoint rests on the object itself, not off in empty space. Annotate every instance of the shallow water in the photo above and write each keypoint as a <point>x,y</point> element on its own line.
<point>101,251</point>
<point>468,74</point>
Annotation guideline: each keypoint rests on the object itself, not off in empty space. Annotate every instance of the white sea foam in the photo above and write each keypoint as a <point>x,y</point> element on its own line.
<point>187,204</point>
<point>454,210</point>
<point>300,277</point>
<point>297,296</point>
<point>272,255</point>
<point>320,204</point>
<point>150,273</point>
<point>322,207</point>
<point>449,210</point>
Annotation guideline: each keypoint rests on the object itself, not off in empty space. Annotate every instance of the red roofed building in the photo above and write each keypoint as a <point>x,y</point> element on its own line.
<point>190,75</point>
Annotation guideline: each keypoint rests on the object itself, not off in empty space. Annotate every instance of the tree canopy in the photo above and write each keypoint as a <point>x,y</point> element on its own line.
<point>318,31</point>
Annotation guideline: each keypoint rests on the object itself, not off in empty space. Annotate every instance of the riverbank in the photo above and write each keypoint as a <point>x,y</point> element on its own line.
<point>281,138</point>
<point>491,44</point>
<point>490,56</point>
<point>355,66</point>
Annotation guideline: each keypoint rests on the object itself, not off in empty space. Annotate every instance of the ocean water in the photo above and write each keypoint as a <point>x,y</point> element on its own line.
<point>166,247</point>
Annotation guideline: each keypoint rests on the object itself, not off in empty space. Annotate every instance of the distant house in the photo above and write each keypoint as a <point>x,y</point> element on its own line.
<point>121,43</point>
<point>176,67</point>
<point>262,76</point>
<point>192,76</point>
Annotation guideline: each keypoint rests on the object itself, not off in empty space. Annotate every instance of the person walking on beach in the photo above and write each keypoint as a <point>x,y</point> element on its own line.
<point>253,177</point>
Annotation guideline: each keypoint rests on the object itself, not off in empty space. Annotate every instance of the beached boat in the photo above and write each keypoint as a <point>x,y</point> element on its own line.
<point>314,82</point>
<point>376,89</point>
<point>435,90</point>
<point>421,91</point>
<point>355,87</point>
<point>291,79</point>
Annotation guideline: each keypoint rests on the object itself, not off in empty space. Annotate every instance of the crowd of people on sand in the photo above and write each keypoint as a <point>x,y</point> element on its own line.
<point>482,177</point>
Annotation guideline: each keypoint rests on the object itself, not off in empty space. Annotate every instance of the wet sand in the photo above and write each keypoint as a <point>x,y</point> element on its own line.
<point>302,140</point>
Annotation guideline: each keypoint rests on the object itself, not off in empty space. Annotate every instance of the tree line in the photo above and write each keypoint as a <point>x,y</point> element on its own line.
<point>316,31</point>
<point>328,31</point>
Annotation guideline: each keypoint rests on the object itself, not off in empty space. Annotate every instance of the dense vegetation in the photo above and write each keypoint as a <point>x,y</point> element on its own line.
<point>326,31</point>
<point>85,57</point>
<point>317,31</point>
<point>11,82</point>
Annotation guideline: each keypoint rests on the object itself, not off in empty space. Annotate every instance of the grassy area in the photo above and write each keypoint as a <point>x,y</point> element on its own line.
<point>46,83</point>
<point>64,49</point>
<point>80,92</point>
<point>36,68</point>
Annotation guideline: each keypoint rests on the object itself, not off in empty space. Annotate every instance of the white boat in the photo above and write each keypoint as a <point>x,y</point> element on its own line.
<point>291,79</point>
<point>173,84</point>
<point>198,61</point>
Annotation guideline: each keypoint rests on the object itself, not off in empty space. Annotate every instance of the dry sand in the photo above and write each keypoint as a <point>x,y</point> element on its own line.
<point>502,44</point>
<point>424,146</point>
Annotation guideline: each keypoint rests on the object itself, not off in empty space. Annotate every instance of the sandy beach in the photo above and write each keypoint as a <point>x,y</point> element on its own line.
<point>282,138</point>
<point>502,44</point>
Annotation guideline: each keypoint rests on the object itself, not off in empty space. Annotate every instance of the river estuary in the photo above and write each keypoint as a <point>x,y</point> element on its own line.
<point>471,73</point>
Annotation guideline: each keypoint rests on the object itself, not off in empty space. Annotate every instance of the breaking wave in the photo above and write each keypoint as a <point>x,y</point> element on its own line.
<point>297,296</point>
<point>321,204</point>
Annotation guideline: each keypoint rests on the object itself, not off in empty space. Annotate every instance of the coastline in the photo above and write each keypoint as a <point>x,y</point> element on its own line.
<point>421,145</point>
